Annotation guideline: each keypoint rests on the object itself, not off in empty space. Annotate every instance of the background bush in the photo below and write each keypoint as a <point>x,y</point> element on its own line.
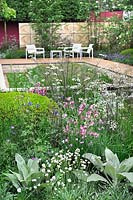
<point>15,53</point>
<point>127,52</point>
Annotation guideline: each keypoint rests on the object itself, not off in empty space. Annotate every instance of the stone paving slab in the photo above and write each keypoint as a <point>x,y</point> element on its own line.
<point>2,79</point>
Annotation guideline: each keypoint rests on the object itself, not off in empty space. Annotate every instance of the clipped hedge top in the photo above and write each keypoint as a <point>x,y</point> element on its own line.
<point>21,101</point>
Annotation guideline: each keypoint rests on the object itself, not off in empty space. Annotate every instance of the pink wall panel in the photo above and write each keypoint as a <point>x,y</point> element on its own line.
<point>104,15</point>
<point>1,32</point>
<point>12,32</point>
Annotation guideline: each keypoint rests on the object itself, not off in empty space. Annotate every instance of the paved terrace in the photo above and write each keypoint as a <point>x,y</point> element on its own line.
<point>21,64</point>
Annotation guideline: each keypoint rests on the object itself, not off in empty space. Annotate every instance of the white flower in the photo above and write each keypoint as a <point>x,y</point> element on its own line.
<point>58,183</point>
<point>35,187</point>
<point>69,180</point>
<point>53,178</point>
<point>19,190</point>
<point>43,170</point>
<point>70,168</point>
<point>43,165</point>
<point>63,184</point>
<point>34,180</point>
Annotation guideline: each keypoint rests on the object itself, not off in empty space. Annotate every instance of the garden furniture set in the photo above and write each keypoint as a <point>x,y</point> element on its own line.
<point>66,51</point>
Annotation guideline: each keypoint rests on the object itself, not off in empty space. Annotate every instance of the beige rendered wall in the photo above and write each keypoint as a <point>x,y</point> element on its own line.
<point>26,34</point>
<point>68,32</point>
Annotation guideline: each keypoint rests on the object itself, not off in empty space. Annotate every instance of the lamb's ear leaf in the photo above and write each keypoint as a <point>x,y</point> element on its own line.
<point>96,177</point>
<point>112,158</point>
<point>128,175</point>
<point>96,160</point>
<point>111,171</point>
<point>19,177</point>
<point>84,176</point>
<point>13,179</point>
<point>33,165</point>
<point>126,165</point>
<point>22,167</point>
<point>81,175</point>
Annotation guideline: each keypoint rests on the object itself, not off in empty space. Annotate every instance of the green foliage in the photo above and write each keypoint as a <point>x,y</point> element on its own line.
<point>28,176</point>
<point>118,33</point>
<point>4,192</point>
<point>70,10</point>
<point>5,11</point>
<point>127,52</point>
<point>24,125</point>
<point>15,53</point>
<point>22,9</point>
<point>45,13</point>
<point>21,117</point>
<point>88,191</point>
<point>112,168</point>
<point>18,102</point>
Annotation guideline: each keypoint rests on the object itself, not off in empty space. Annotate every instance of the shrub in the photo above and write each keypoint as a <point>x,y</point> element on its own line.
<point>127,52</point>
<point>15,53</point>
<point>22,111</point>
<point>13,102</point>
<point>24,124</point>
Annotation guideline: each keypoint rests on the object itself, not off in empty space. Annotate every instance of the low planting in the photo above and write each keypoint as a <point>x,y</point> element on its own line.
<point>15,53</point>
<point>22,115</point>
<point>125,56</point>
<point>56,136</point>
<point>65,74</point>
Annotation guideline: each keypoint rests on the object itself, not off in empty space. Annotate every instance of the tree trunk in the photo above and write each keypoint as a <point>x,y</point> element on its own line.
<point>5,32</point>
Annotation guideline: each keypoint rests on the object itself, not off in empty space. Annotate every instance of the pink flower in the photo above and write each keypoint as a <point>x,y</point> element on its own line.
<point>71,103</point>
<point>92,106</point>
<point>66,129</point>
<point>81,108</point>
<point>91,123</point>
<point>65,104</point>
<point>88,112</point>
<point>83,130</point>
<point>94,134</point>
<point>64,115</point>
<point>68,98</point>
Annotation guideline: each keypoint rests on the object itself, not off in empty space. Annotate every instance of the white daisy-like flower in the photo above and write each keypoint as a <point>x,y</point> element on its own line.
<point>19,190</point>
<point>34,180</point>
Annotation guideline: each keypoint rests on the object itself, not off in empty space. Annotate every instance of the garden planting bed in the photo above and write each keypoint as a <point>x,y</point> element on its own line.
<point>62,132</point>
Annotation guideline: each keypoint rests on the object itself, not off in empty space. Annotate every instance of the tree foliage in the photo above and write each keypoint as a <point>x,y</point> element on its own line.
<point>22,9</point>
<point>5,11</point>
<point>44,14</point>
<point>71,10</point>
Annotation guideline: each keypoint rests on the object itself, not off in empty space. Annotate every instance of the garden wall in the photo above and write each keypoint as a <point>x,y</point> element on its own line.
<point>12,32</point>
<point>78,32</point>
